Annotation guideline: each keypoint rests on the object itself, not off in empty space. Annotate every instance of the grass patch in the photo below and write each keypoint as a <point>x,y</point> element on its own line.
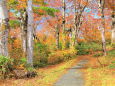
<point>111,53</point>
<point>98,55</point>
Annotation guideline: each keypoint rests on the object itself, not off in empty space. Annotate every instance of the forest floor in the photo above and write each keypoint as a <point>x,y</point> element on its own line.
<point>54,75</point>
<point>47,76</point>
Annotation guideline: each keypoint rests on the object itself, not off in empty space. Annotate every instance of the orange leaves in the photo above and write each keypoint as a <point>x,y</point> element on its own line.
<point>110,4</point>
<point>22,4</point>
<point>41,11</point>
<point>22,1</point>
<point>82,2</point>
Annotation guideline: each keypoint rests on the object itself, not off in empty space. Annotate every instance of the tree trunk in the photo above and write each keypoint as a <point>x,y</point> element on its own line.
<point>63,24</point>
<point>113,28</point>
<point>101,7</point>
<point>74,30</point>
<point>4,26</point>
<point>72,38</point>
<point>103,41</point>
<point>24,32</point>
<point>77,20</point>
<point>57,37</point>
<point>30,34</point>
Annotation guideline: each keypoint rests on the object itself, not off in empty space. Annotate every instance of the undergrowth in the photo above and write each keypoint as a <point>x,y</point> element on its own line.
<point>88,48</point>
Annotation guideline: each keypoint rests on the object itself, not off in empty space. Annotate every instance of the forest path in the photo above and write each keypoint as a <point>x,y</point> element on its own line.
<point>74,77</point>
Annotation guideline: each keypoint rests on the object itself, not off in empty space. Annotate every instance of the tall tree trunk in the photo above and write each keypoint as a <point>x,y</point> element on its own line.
<point>77,22</point>
<point>72,38</point>
<point>57,37</point>
<point>101,6</point>
<point>63,24</point>
<point>4,26</point>
<point>30,34</point>
<point>24,31</point>
<point>113,27</point>
<point>73,30</point>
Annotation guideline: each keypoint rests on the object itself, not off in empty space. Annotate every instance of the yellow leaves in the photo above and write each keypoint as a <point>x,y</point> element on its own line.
<point>23,0</point>
<point>17,43</point>
<point>60,56</point>
<point>110,4</point>
<point>22,4</point>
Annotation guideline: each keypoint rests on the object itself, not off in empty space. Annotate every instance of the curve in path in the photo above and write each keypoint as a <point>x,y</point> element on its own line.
<point>73,77</point>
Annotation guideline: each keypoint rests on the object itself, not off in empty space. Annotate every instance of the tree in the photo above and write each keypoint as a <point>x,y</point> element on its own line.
<point>101,8</point>
<point>78,10</point>
<point>63,25</point>
<point>111,5</point>
<point>23,19</point>
<point>30,31</point>
<point>4,26</point>
<point>113,28</point>
<point>55,28</point>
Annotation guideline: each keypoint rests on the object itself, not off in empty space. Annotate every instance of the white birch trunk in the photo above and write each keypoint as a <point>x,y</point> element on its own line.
<point>4,26</point>
<point>30,30</point>
<point>101,8</point>
<point>24,32</point>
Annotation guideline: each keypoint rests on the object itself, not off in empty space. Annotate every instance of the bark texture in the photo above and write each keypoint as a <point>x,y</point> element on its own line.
<point>24,18</point>
<point>57,36</point>
<point>30,31</point>
<point>4,26</point>
<point>63,24</point>
<point>77,22</point>
<point>101,8</point>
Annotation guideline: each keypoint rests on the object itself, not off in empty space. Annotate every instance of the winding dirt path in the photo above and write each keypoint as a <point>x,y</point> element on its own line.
<point>74,77</point>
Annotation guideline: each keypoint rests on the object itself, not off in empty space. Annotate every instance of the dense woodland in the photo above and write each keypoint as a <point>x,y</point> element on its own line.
<point>39,33</point>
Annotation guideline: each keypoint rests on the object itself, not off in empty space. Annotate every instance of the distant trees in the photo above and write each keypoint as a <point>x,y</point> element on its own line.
<point>79,7</point>
<point>101,8</point>
<point>67,24</point>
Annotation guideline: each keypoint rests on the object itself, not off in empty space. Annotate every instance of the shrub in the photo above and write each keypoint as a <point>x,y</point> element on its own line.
<point>112,65</point>
<point>16,53</point>
<point>111,53</point>
<point>87,48</point>
<point>82,49</point>
<point>6,65</point>
<point>41,53</point>
<point>60,56</point>
<point>113,45</point>
<point>20,63</point>
<point>60,45</point>
<point>98,54</point>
